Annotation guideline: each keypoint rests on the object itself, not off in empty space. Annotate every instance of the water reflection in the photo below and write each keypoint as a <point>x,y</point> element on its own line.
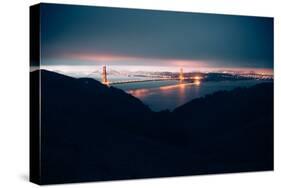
<point>169,95</point>
<point>176,92</point>
<point>144,92</point>
<point>139,92</point>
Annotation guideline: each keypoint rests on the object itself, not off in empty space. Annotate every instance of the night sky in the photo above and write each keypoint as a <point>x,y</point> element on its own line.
<point>85,35</point>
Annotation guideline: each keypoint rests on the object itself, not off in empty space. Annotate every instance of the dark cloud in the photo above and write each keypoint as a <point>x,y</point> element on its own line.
<point>221,40</point>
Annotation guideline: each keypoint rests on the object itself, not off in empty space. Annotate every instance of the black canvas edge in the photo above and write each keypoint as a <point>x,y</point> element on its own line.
<point>34,100</point>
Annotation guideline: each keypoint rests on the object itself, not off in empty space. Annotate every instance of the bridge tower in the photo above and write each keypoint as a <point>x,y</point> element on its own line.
<point>181,76</point>
<point>104,76</point>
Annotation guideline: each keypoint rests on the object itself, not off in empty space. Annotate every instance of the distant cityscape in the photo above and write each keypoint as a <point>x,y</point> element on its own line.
<point>109,75</point>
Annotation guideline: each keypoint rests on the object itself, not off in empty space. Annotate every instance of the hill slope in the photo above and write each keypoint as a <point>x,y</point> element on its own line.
<point>94,132</point>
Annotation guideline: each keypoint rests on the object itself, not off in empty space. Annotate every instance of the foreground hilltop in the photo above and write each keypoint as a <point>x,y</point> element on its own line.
<point>94,132</point>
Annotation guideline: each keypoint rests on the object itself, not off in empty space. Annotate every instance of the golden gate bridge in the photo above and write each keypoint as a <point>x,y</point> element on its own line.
<point>180,78</point>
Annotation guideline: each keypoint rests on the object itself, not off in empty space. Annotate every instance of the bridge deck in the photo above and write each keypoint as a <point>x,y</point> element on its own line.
<point>147,80</point>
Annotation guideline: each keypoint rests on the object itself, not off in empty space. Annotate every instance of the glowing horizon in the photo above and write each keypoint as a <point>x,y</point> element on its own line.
<point>135,68</point>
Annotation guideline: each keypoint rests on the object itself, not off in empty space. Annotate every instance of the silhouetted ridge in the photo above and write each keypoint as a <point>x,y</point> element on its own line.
<point>232,125</point>
<point>88,92</point>
<point>93,132</point>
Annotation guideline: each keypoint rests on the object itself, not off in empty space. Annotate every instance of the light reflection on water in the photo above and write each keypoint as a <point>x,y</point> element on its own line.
<point>171,94</point>
<point>140,93</point>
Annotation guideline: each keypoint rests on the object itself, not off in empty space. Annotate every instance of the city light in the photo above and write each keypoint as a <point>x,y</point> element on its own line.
<point>197,82</point>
